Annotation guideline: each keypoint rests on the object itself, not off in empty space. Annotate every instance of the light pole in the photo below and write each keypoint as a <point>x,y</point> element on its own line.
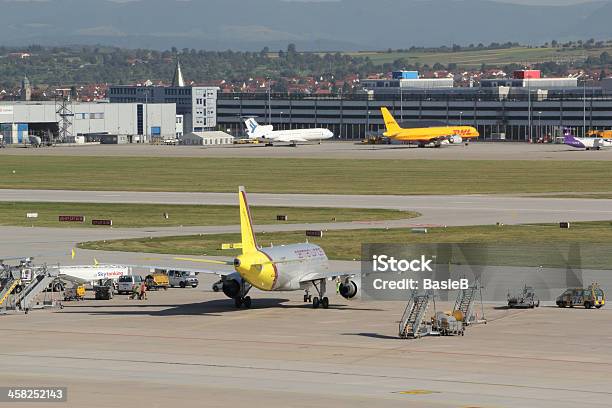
<point>540,124</point>
<point>460,118</point>
<point>529,109</point>
<point>280,119</point>
<point>269,101</point>
<point>146,132</point>
<point>401,102</point>
<point>368,125</point>
<point>584,108</point>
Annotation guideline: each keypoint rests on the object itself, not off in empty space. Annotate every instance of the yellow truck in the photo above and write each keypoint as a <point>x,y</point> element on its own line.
<point>592,296</point>
<point>157,280</point>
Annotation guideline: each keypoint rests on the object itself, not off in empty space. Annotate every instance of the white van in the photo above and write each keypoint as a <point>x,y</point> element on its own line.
<point>126,283</point>
<point>182,279</point>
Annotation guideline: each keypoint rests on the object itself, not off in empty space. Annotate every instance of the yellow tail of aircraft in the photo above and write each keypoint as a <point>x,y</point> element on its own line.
<point>390,122</point>
<point>249,243</point>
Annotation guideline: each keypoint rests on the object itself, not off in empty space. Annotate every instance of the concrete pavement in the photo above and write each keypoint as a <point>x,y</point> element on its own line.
<point>190,347</point>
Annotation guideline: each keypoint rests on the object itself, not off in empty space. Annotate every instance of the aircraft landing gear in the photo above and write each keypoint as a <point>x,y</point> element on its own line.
<point>243,300</point>
<point>307,297</point>
<point>321,300</point>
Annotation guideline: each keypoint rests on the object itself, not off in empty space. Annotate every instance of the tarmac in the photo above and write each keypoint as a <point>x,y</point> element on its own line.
<point>191,347</point>
<point>333,150</point>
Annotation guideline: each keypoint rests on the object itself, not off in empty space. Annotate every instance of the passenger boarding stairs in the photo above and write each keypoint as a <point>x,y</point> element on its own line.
<point>8,285</point>
<point>465,303</point>
<point>39,283</point>
<point>412,324</point>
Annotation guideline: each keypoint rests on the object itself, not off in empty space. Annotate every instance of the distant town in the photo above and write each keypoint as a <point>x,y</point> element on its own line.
<point>89,71</point>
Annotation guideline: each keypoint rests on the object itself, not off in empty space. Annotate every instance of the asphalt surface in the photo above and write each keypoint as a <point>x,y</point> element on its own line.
<point>333,150</point>
<point>436,210</point>
<point>190,347</point>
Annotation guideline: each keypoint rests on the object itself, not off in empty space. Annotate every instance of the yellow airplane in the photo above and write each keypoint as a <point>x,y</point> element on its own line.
<point>277,268</point>
<point>434,136</point>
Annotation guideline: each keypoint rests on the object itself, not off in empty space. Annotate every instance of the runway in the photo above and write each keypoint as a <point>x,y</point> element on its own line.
<point>450,210</point>
<point>332,150</point>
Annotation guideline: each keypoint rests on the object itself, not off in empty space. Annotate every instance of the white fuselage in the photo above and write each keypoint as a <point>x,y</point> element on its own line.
<point>296,261</point>
<point>297,134</point>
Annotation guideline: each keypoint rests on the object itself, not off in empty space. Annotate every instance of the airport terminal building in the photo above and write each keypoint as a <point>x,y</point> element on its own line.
<point>524,107</point>
<point>196,104</point>
<point>518,109</point>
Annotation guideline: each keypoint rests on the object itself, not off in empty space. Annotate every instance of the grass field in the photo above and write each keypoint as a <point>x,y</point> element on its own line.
<point>151,215</point>
<point>282,175</point>
<point>346,245</point>
<point>474,58</point>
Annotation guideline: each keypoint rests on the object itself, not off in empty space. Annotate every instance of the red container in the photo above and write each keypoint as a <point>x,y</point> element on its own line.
<point>527,74</point>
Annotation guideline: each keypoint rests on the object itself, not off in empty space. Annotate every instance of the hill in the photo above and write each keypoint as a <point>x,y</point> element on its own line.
<point>311,25</point>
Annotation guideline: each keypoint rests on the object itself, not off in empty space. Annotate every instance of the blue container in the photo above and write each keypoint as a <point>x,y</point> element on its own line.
<point>405,75</point>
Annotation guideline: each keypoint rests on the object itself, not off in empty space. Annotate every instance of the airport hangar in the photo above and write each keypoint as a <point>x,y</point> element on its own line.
<point>131,114</point>
<point>126,122</point>
<point>500,109</point>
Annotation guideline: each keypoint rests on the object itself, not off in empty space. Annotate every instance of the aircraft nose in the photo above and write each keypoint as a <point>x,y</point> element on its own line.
<point>329,133</point>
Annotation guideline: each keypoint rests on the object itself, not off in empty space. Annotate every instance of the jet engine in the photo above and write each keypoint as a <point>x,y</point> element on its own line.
<point>349,289</point>
<point>234,287</point>
<point>455,139</point>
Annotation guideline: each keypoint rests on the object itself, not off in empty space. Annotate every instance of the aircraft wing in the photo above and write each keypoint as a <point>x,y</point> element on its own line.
<point>315,276</point>
<point>290,139</point>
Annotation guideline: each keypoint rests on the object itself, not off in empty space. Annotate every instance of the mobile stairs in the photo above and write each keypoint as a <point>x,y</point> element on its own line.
<point>465,304</point>
<point>8,286</point>
<point>25,300</point>
<point>413,324</point>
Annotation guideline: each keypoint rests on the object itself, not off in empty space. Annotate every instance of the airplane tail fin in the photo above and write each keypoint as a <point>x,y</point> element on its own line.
<point>390,122</point>
<point>251,128</point>
<point>255,130</point>
<point>249,243</point>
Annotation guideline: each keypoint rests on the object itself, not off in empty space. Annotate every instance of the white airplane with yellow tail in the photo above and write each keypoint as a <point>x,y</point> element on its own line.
<point>277,268</point>
<point>427,136</point>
